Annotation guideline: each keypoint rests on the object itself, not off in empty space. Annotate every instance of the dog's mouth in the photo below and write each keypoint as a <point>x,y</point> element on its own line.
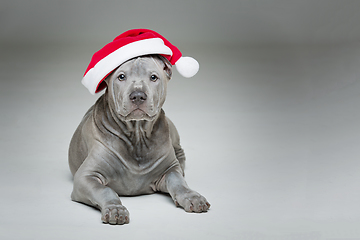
<point>139,114</point>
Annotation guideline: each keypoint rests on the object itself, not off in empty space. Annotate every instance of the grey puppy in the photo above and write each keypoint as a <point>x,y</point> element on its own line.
<point>126,146</point>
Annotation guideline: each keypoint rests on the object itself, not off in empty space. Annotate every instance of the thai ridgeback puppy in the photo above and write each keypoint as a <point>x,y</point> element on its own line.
<point>125,145</point>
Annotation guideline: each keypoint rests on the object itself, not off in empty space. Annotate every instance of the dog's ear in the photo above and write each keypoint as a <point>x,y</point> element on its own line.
<point>104,83</point>
<point>107,78</point>
<point>167,66</point>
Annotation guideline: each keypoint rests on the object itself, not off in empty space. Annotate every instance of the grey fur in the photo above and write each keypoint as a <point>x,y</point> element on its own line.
<point>126,146</point>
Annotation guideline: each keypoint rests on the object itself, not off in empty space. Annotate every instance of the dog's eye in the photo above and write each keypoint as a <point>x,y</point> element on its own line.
<point>122,77</point>
<point>153,78</point>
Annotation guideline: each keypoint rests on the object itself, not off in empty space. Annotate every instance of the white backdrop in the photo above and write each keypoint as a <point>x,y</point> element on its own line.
<point>202,21</point>
<point>270,124</point>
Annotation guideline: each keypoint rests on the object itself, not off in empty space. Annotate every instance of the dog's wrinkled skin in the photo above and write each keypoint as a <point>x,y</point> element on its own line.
<point>126,146</point>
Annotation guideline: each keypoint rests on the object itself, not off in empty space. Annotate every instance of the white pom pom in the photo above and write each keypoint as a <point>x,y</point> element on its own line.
<point>187,66</point>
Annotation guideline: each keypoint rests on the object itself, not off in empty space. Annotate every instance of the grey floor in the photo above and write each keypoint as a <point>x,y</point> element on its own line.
<point>272,139</point>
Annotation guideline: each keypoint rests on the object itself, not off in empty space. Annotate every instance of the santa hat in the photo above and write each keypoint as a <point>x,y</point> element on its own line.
<point>130,44</point>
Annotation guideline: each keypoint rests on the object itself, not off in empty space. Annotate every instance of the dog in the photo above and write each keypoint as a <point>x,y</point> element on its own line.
<point>126,146</point>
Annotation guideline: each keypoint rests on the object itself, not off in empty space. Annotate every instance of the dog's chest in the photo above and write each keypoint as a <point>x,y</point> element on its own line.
<point>140,153</point>
<point>145,153</point>
<point>143,144</point>
<point>136,173</point>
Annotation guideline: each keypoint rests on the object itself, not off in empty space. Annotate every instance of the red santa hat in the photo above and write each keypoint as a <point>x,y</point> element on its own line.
<point>130,44</point>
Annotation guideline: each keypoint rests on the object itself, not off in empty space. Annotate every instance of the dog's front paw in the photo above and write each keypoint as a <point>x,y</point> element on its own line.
<point>192,201</point>
<point>115,214</point>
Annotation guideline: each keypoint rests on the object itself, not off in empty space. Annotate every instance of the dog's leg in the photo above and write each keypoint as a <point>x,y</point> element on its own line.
<point>175,184</point>
<point>90,188</point>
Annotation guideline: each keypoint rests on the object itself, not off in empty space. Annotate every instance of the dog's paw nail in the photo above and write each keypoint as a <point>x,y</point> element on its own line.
<point>105,219</point>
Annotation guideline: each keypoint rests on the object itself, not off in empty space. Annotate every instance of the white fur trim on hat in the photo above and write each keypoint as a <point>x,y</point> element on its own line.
<point>187,66</point>
<point>121,55</point>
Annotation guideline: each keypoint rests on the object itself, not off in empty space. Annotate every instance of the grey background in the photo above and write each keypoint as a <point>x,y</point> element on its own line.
<point>270,124</point>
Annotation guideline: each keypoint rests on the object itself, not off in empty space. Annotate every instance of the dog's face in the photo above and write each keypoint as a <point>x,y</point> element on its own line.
<point>137,88</point>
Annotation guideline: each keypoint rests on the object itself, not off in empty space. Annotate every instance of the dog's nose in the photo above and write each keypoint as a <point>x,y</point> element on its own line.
<point>138,97</point>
